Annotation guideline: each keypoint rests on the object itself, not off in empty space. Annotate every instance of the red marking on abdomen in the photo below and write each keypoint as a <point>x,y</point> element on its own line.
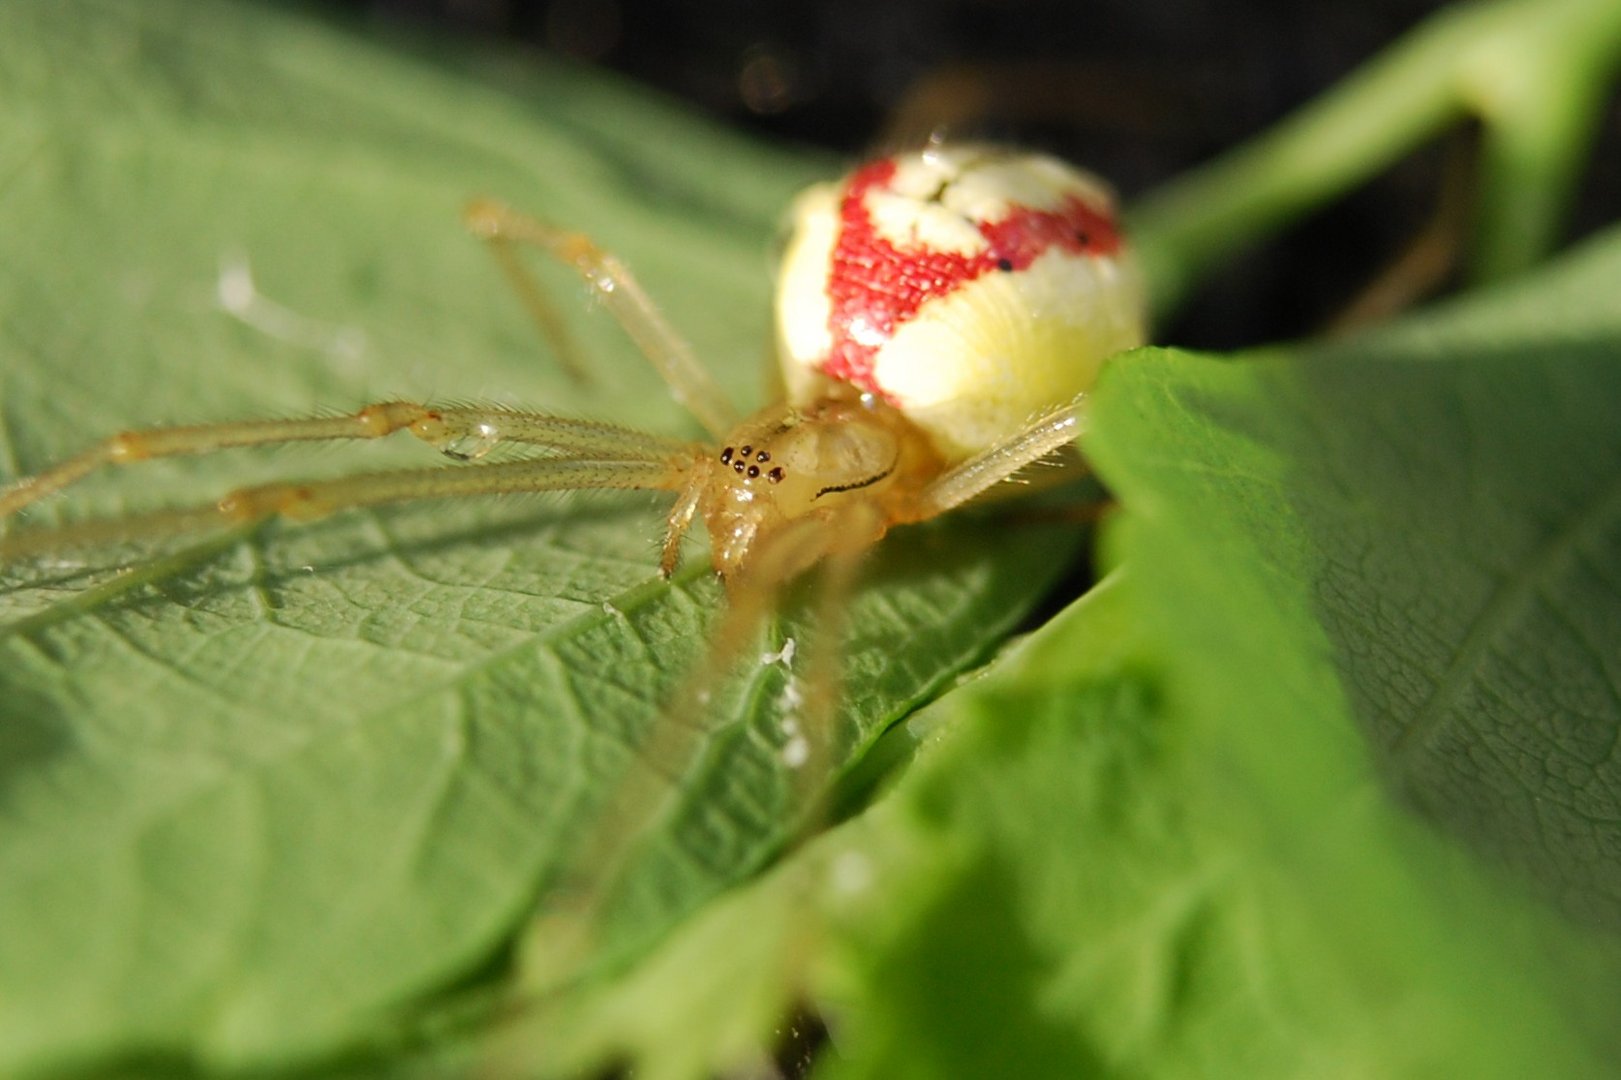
<point>876,286</point>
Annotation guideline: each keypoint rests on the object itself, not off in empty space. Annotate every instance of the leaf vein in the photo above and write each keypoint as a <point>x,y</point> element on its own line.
<point>1501,610</point>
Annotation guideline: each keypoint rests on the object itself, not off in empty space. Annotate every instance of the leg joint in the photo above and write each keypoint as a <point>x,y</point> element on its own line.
<point>387,417</point>
<point>128,446</point>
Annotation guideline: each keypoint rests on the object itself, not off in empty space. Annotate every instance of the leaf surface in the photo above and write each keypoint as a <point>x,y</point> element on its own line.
<point>1278,800</point>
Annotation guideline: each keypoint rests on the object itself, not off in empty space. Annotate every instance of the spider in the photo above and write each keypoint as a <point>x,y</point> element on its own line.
<point>939,314</point>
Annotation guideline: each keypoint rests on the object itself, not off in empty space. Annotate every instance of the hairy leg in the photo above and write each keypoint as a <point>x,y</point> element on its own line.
<point>315,499</point>
<point>463,432</point>
<point>978,474</point>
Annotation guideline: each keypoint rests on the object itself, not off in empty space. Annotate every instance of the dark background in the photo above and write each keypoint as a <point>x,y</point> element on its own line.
<point>1139,92</point>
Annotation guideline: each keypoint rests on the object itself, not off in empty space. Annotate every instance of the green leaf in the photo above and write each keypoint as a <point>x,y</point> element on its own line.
<point>1171,823</point>
<point>261,799</point>
<point>1457,486</point>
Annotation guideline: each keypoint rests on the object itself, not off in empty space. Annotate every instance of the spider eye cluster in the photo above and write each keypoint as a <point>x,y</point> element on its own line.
<point>739,459</point>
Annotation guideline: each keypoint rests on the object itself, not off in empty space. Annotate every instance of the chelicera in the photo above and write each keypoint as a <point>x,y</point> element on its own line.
<point>940,315</point>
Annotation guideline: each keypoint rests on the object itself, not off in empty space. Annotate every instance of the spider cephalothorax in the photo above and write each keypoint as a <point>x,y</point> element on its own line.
<point>801,466</point>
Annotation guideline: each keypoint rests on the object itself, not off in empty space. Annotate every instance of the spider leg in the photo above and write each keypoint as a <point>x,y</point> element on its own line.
<point>1052,432</point>
<point>838,542</point>
<point>810,750</point>
<point>463,432</point>
<point>542,312</point>
<point>677,522</point>
<point>316,499</point>
<point>617,289</point>
<point>651,786</point>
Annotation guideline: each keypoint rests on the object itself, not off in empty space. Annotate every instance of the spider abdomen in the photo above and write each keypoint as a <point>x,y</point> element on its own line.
<point>972,288</point>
